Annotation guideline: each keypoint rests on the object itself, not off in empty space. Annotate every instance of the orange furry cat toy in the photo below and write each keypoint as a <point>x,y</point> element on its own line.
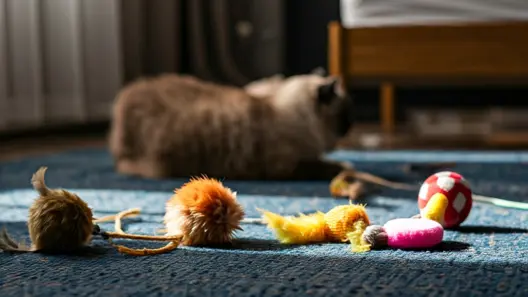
<point>201,212</point>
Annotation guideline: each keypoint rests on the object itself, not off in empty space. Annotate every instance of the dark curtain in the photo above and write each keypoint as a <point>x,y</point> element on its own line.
<point>227,41</point>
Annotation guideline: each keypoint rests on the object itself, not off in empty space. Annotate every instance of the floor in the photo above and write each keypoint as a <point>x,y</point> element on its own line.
<point>27,143</point>
<point>486,257</point>
<point>363,137</point>
<point>26,147</point>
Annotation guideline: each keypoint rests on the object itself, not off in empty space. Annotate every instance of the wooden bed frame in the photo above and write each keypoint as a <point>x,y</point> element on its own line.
<point>427,55</point>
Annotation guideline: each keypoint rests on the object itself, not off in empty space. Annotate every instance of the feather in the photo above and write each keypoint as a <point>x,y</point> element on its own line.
<point>303,229</point>
<point>343,223</point>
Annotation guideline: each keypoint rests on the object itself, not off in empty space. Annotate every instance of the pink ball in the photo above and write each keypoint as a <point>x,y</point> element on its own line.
<point>411,233</point>
<point>457,191</point>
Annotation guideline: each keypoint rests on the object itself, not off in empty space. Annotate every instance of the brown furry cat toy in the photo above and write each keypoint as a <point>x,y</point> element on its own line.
<point>273,129</point>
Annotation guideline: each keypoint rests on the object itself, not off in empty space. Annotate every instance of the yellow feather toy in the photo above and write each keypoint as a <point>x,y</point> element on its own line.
<point>344,223</point>
<point>304,229</point>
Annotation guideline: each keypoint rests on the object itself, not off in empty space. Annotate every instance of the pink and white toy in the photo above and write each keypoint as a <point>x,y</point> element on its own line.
<point>446,198</point>
<point>406,233</point>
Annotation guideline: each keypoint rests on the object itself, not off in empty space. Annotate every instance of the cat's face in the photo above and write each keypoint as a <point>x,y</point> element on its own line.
<point>325,96</point>
<point>335,108</point>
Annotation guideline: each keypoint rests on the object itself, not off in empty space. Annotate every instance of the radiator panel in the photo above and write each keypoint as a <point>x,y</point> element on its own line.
<point>63,61</point>
<point>3,66</point>
<point>102,55</point>
<point>24,63</point>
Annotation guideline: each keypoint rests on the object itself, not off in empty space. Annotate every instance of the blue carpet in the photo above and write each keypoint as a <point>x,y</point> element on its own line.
<point>487,257</point>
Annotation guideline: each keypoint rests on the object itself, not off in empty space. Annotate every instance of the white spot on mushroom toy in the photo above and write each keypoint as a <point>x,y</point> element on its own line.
<point>446,198</point>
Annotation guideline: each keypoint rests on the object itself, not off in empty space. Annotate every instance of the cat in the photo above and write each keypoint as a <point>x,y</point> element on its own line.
<point>179,126</point>
<point>264,87</point>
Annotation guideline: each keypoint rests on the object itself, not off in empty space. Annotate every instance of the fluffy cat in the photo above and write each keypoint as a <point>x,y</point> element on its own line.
<point>278,129</point>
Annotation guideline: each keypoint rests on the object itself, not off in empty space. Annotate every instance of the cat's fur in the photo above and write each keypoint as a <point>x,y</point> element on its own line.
<point>180,126</point>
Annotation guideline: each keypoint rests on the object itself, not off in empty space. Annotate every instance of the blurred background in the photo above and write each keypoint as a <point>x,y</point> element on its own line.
<point>62,62</point>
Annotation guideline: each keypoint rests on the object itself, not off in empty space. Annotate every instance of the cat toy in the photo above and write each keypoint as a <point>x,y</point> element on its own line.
<point>59,221</point>
<point>351,183</point>
<point>350,223</point>
<point>404,233</point>
<point>201,212</point>
<point>343,223</point>
<point>446,197</point>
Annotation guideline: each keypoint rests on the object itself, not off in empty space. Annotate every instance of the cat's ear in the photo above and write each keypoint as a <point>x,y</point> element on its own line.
<point>330,90</point>
<point>319,71</point>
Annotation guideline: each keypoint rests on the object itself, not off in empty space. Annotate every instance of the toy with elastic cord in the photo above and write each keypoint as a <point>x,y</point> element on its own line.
<point>59,222</point>
<point>341,187</point>
<point>201,212</point>
<point>446,197</point>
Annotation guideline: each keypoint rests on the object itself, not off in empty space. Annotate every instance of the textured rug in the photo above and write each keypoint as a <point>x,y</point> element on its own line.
<point>488,256</point>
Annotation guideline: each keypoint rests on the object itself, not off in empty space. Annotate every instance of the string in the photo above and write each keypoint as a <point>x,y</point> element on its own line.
<point>501,202</point>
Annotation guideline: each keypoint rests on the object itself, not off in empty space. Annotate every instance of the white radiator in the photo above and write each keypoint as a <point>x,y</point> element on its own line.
<point>60,61</point>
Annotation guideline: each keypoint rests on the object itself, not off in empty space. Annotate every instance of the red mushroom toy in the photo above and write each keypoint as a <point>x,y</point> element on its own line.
<point>445,197</point>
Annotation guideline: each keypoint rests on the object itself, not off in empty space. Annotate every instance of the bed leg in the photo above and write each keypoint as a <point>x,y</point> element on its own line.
<point>335,49</point>
<point>388,121</point>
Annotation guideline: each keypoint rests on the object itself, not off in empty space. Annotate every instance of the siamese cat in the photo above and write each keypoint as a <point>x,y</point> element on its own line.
<point>278,128</point>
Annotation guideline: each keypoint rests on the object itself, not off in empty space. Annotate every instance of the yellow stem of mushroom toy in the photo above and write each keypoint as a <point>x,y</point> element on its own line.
<point>357,242</point>
<point>435,208</point>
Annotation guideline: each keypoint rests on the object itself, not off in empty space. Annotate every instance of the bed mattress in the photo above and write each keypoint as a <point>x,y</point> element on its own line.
<point>372,13</point>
